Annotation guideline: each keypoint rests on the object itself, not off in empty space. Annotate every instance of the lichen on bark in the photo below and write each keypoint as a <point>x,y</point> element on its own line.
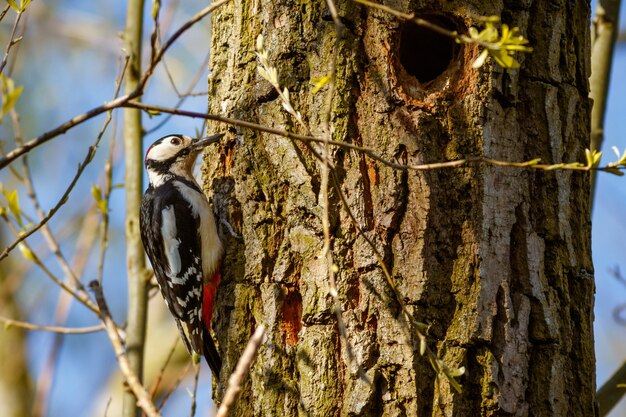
<point>495,261</point>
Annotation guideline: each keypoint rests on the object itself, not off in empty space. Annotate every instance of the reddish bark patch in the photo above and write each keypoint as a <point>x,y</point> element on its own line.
<point>292,317</point>
<point>228,158</point>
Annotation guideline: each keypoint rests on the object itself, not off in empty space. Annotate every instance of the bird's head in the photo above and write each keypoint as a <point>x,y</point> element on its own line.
<point>174,155</point>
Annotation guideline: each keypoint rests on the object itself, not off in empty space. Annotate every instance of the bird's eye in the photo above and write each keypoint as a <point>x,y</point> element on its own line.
<point>175,141</point>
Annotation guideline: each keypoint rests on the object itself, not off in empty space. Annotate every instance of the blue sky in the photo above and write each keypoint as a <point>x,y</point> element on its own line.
<point>609,226</point>
<point>71,73</point>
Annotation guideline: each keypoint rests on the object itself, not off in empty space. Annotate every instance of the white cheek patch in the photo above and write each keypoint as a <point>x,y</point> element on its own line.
<point>170,241</point>
<point>162,151</point>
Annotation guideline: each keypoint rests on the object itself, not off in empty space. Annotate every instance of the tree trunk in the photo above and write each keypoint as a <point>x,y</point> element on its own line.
<point>15,386</point>
<point>496,261</point>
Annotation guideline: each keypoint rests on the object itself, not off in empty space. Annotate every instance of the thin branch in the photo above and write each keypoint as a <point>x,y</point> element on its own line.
<point>81,296</point>
<point>197,17</point>
<point>426,24</point>
<point>4,12</point>
<point>64,127</point>
<point>470,161</point>
<point>32,195</point>
<point>325,168</point>
<point>12,41</point>
<point>419,327</point>
<point>169,393</point>
<point>604,32</point>
<point>159,377</point>
<point>108,182</point>
<point>106,197</point>
<point>192,409</point>
<point>55,329</point>
<point>181,97</point>
<point>612,391</point>
<point>140,393</point>
<point>84,246</point>
<point>88,158</point>
<point>241,370</point>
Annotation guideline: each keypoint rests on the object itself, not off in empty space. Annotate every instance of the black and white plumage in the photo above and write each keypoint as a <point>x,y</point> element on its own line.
<point>180,237</point>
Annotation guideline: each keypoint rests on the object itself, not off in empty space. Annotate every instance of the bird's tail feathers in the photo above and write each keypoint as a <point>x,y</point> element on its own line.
<point>211,354</point>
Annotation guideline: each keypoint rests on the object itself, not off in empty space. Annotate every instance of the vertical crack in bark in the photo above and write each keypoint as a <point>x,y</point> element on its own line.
<point>480,254</point>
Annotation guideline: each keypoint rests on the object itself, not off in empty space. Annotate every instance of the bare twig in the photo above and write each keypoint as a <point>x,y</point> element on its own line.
<point>159,377</point>
<point>611,392</point>
<point>603,37</point>
<point>81,296</point>
<point>169,393</point>
<point>426,24</point>
<point>192,409</point>
<point>187,93</point>
<point>55,329</point>
<point>325,168</point>
<point>140,393</point>
<point>43,220</point>
<point>4,12</point>
<point>64,127</point>
<point>466,162</point>
<point>12,41</point>
<point>51,134</point>
<point>84,246</point>
<point>241,370</point>
<point>106,197</point>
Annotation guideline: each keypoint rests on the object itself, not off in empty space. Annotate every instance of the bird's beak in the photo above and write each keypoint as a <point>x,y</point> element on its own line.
<point>203,142</point>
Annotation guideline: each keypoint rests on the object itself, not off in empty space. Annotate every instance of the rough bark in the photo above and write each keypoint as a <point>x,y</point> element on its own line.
<point>495,260</point>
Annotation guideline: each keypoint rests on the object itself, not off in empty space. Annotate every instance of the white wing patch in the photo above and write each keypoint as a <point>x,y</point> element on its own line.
<point>170,242</point>
<point>209,239</point>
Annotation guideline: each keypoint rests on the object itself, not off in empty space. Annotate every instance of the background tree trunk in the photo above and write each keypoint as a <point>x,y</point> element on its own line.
<point>15,385</point>
<point>495,260</point>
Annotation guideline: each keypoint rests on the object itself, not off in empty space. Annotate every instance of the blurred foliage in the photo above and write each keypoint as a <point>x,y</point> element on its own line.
<point>80,46</point>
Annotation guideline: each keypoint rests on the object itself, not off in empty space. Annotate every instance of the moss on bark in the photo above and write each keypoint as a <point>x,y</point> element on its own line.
<point>496,261</point>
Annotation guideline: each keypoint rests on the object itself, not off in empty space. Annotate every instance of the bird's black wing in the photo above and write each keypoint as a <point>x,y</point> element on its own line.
<point>169,230</point>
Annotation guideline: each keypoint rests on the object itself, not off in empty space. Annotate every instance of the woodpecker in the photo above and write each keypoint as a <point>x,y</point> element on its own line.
<point>180,237</point>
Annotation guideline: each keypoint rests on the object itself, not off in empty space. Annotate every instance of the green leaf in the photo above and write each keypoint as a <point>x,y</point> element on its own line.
<point>532,162</point>
<point>480,61</point>
<point>13,5</point>
<point>500,46</point>
<point>320,82</point>
<point>24,4</point>
<point>455,384</point>
<point>10,94</point>
<point>14,205</point>
<point>456,372</point>
<point>593,158</point>
<point>621,158</point>
<point>422,346</point>
<point>263,73</point>
<point>156,6</point>
<point>96,192</point>
<point>614,171</point>
<point>26,252</point>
